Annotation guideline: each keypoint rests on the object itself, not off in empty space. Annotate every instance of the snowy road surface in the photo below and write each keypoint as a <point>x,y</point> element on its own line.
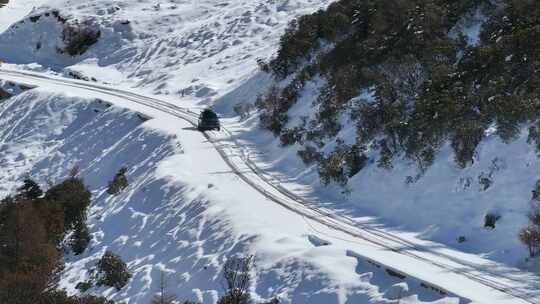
<point>437,267</point>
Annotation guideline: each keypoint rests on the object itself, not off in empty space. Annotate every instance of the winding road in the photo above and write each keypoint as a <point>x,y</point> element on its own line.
<point>441,269</point>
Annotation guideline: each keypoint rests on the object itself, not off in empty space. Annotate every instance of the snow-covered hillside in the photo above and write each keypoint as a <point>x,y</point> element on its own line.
<point>177,215</point>
<point>444,202</point>
<point>14,11</point>
<point>183,213</point>
<point>198,48</point>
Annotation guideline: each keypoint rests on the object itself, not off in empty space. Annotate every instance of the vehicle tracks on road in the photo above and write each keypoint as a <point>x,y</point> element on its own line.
<point>297,204</point>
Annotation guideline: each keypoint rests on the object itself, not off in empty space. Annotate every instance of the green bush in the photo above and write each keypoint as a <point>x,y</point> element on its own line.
<point>79,37</point>
<point>309,155</point>
<point>490,220</point>
<point>355,159</point>
<point>84,286</point>
<point>30,189</point>
<point>536,191</point>
<point>80,238</point>
<point>292,136</point>
<point>118,183</point>
<point>331,169</point>
<point>73,196</point>
<point>112,271</point>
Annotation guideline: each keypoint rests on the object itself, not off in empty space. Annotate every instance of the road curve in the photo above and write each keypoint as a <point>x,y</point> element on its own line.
<point>507,289</point>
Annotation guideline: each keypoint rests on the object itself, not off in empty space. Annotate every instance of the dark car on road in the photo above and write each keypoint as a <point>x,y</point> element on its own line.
<point>208,120</point>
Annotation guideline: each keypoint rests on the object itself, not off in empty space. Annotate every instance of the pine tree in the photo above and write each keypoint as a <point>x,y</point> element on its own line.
<point>30,189</point>
<point>356,160</point>
<point>29,262</point>
<point>73,196</point>
<point>80,238</point>
<point>237,279</point>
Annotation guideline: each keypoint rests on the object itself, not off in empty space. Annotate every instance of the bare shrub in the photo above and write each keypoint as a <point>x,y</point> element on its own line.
<point>530,236</point>
<point>163,297</point>
<point>237,280</point>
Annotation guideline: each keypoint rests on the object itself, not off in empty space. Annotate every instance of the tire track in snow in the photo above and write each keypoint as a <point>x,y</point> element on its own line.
<point>297,204</point>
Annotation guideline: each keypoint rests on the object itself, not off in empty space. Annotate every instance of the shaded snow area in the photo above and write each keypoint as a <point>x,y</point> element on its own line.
<point>179,214</point>
<point>8,89</point>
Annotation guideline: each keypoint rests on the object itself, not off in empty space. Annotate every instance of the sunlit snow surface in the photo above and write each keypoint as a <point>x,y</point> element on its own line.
<point>179,214</point>
<point>185,211</point>
<point>201,47</point>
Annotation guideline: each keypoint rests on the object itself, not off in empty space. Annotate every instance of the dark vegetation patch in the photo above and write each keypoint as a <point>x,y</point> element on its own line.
<point>490,220</point>
<point>112,271</point>
<point>58,16</point>
<point>35,19</point>
<point>119,182</point>
<point>33,227</point>
<point>80,76</point>
<point>428,88</point>
<point>4,94</point>
<point>79,36</point>
<point>55,13</point>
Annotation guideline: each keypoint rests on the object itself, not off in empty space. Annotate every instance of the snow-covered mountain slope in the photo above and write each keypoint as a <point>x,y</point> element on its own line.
<point>179,215</point>
<point>196,52</point>
<point>467,275</point>
<point>186,48</point>
<point>446,203</point>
